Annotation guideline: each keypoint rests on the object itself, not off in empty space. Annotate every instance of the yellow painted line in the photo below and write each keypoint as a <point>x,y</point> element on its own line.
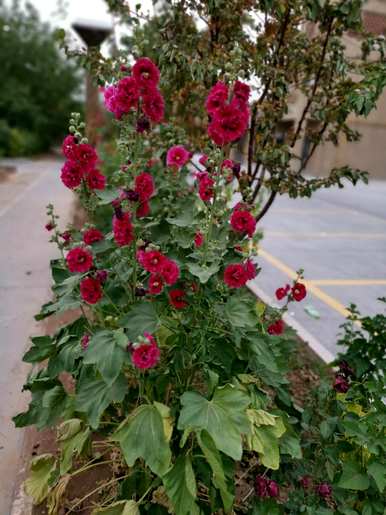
<point>340,235</point>
<point>327,299</point>
<point>347,282</point>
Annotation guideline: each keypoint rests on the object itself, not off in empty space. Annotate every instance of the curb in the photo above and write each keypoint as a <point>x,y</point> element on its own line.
<point>324,354</point>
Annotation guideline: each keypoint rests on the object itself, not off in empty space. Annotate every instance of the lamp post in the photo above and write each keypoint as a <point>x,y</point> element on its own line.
<point>93,33</point>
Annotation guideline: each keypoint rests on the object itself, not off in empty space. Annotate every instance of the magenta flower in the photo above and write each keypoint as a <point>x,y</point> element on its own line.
<point>177,156</point>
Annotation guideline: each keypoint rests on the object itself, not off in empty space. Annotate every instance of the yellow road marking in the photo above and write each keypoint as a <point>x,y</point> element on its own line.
<point>327,299</point>
<point>348,282</point>
<point>340,235</point>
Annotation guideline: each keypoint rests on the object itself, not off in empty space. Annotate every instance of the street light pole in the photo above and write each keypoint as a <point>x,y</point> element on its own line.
<point>93,33</point>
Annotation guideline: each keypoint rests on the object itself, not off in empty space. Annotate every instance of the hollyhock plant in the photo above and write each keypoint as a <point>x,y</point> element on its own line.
<point>91,290</point>
<point>177,156</point>
<point>243,222</point>
<point>92,235</point>
<point>177,299</point>
<point>298,292</point>
<point>79,260</point>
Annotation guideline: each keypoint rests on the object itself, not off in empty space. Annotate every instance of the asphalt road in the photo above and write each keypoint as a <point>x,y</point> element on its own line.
<point>24,286</point>
<point>339,238</point>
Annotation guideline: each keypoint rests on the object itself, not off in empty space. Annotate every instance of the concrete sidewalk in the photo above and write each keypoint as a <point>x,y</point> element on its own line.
<point>24,286</point>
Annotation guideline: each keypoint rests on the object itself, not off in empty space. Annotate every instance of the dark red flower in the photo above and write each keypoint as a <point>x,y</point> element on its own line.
<point>345,369</point>
<point>86,156</point>
<point>90,290</point>
<point>96,180</point>
<point>144,186</point>
<point>142,125</point>
<point>92,236</point>
<point>85,341</point>
<point>324,490</point>
<point>198,239</point>
<point>49,226</point>
<point>71,174</point>
<point>243,222</point>
<point>153,106</point>
<point>298,292</point>
<point>156,284</point>
<point>341,384</point>
<point>101,275</point>
<point>261,486</point>
<point>123,229</point>
<point>79,260</point>
<point>177,299</point>
<point>228,124</point>
<point>151,260</point>
<point>250,269</point>
<point>170,271</point>
<point>216,98</point>
<point>272,488</point>
<point>146,355</point>
<point>282,292</point>
<point>143,210</point>
<point>126,95</point>
<point>241,92</point>
<point>276,328</point>
<point>306,482</point>
<point>69,147</point>
<point>205,188</point>
<point>146,73</point>
<point>235,275</point>
<point>66,235</point>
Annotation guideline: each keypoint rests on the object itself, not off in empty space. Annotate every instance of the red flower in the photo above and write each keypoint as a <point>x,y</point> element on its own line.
<point>101,275</point>
<point>276,328</point>
<point>243,222</point>
<point>85,341</point>
<point>151,260</point>
<point>282,292</point>
<point>69,147</point>
<point>86,156</point>
<point>144,186</point>
<point>227,163</point>
<point>241,93</point>
<point>228,124</point>
<point>341,384</point>
<point>66,235</point>
<point>250,269</point>
<point>126,95</point>
<point>90,290</point>
<point>49,226</point>
<point>235,275</point>
<point>153,105</point>
<point>92,236</point>
<point>146,355</point>
<point>205,188</point>
<point>177,156</point>
<point>198,239</point>
<point>216,98</point>
<point>146,73</point>
<point>110,99</point>
<point>79,260</point>
<point>95,180</point>
<point>273,488</point>
<point>324,490</point>
<point>203,159</point>
<point>266,487</point>
<point>298,291</point>
<point>170,271</point>
<point>156,284</point>
<point>123,230</point>
<point>143,210</point>
<point>71,174</point>
<point>176,299</point>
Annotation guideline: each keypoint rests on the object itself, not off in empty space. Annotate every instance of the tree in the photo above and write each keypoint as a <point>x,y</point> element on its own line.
<point>37,87</point>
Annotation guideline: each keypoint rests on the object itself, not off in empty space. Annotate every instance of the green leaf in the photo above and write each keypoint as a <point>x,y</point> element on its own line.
<point>94,395</point>
<point>42,348</point>
<point>107,351</point>
<point>290,444</point>
<point>118,508</point>
<point>239,313</point>
<point>180,485</point>
<point>142,435</point>
<point>38,483</point>
<point>107,195</point>
<point>143,317</point>
<point>378,472</point>
<point>185,219</point>
<point>213,457</point>
<point>353,478</point>
<point>203,272</point>
<point>224,417</point>
<point>264,436</point>
<point>72,437</point>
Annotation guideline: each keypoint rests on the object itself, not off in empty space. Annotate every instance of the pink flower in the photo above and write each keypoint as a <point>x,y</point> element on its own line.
<point>205,188</point>
<point>123,230</point>
<point>298,292</point>
<point>170,271</point>
<point>85,341</point>
<point>324,490</point>
<point>90,290</point>
<point>177,299</point>
<point>229,124</point>
<point>241,93</point>
<point>110,99</point>
<point>153,106</point>
<point>146,73</point>
<point>276,328</point>
<point>243,222</point>
<point>71,174</point>
<point>235,275</point>
<point>146,355</point>
<point>216,98</point>
<point>86,156</point>
<point>143,210</point>
<point>151,260</point>
<point>126,95</point>
<point>69,147</point>
<point>79,260</point>
<point>144,186</point>
<point>282,292</point>
<point>92,236</point>
<point>177,156</point>
<point>198,239</point>
<point>156,284</point>
<point>95,180</point>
